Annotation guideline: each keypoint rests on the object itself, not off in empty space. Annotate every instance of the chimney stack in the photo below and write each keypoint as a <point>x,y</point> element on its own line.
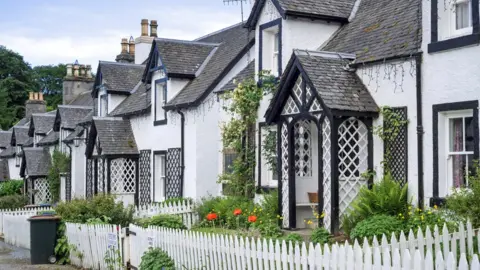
<point>77,81</point>
<point>131,46</point>
<point>153,28</point>
<point>124,46</point>
<point>144,28</point>
<point>35,104</point>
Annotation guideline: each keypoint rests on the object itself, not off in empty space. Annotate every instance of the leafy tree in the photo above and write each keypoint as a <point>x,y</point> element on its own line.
<point>16,80</point>
<point>50,80</point>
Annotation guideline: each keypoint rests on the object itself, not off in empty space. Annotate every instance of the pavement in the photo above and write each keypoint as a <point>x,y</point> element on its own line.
<point>14,258</point>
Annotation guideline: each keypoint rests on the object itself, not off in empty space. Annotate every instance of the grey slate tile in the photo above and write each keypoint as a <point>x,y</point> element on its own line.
<point>5,139</point>
<point>38,161</point>
<point>51,139</point>
<point>138,102</point>
<point>41,123</point>
<point>69,116</point>
<point>121,77</point>
<point>20,135</point>
<point>115,136</point>
<point>83,99</point>
<point>9,152</point>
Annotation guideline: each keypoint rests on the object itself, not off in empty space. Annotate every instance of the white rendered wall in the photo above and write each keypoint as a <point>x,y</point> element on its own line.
<point>114,101</point>
<point>448,76</point>
<point>394,89</point>
<point>78,170</point>
<point>13,169</point>
<point>174,86</point>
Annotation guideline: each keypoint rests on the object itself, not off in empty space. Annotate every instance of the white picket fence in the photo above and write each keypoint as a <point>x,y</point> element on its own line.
<point>20,212</point>
<point>184,209</point>
<point>195,250</point>
<point>92,244</point>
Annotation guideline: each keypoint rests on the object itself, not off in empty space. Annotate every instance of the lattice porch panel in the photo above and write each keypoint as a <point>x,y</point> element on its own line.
<point>101,176</point>
<point>122,175</point>
<point>303,148</point>
<point>327,173</point>
<point>285,182</point>
<point>89,179</point>
<point>42,191</point>
<point>396,151</point>
<point>353,160</point>
<point>174,173</point>
<point>144,181</point>
<point>68,187</point>
<point>298,89</point>
<point>315,107</point>
<point>290,107</point>
<point>308,93</point>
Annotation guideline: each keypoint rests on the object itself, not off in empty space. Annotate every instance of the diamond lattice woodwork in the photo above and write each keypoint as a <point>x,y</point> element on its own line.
<point>396,151</point>
<point>290,107</point>
<point>122,175</point>
<point>101,176</point>
<point>285,182</point>
<point>89,179</point>
<point>315,107</point>
<point>303,148</point>
<point>42,191</point>
<point>68,187</point>
<point>174,182</point>
<point>144,181</point>
<point>298,90</point>
<point>353,160</point>
<point>327,173</point>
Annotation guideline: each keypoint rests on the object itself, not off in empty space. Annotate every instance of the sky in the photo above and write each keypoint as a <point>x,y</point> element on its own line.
<point>61,31</point>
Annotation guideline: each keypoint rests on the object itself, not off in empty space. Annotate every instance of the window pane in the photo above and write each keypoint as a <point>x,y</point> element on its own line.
<point>456,134</point>
<point>160,101</point>
<point>469,138</point>
<point>462,11</point>
<point>276,42</point>
<point>228,160</point>
<point>460,168</point>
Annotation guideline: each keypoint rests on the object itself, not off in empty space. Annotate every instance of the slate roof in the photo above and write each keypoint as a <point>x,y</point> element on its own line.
<point>50,139</point>
<point>20,135</point>
<point>9,152</point>
<point>41,123</point>
<point>69,116</point>
<point>5,139</point>
<point>381,29</point>
<point>87,119</point>
<point>138,102</point>
<point>119,77</point>
<point>235,42</point>
<point>247,73</point>
<point>77,132</point>
<point>338,10</point>
<point>339,88</point>
<point>38,161</point>
<point>115,136</point>
<point>183,57</point>
<point>29,142</point>
<point>83,99</point>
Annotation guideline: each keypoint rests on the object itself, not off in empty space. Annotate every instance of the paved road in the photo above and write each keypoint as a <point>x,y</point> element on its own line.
<point>13,258</point>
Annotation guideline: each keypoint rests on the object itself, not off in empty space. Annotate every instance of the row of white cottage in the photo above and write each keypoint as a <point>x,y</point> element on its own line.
<point>153,131</point>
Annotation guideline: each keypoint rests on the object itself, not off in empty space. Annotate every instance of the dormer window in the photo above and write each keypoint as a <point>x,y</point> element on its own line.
<point>271,47</point>
<point>160,101</point>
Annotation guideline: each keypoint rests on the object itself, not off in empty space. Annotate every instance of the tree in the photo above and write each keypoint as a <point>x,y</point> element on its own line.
<point>50,80</point>
<point>16,80</point>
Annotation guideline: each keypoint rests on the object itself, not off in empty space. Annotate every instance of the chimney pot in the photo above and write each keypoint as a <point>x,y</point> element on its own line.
<point>131,46</point>
<point>144,28</point>
<point>153,28</point>
<point>30,96</point>
<point>124,46</point>
<point>40,96</point>
<point>69,70</point>
<point>35,96</point>
<point>89,71</point>
<point>75,69</point>
<point>82,70</point>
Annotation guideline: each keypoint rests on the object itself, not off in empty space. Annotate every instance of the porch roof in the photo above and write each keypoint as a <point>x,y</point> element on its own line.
<point>37,162</point>
<point>50,139</point>
<point>338,87</point>
<point>112,136</point>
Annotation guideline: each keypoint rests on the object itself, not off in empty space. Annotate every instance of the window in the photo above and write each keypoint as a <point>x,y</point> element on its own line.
<point>159,181</point>
<point>160,101</point>
<point>18,158</point>
<point>229,157</point>
<point>276,49</point>
<point>269,175</point>
<point>460,146</point>
<point>462,17</point>
<point>270,47</point>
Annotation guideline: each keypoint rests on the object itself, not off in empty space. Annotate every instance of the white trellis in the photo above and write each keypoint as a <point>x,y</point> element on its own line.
<point>285,182</point>
<point>327,173</point>
<point>352,160</point>
<point>101,175</point>
<point>303,148</point>
<point>42,191</point>
<point>122,175</point>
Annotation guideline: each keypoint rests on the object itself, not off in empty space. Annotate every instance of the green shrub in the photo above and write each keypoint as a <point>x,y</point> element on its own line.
<point>386,197</point>
<point>320,236</point>
<point>270,229</point>
<point>224,208</point>
<point>60,164</point>
<point>293,237</point>
<point>269,206</point>
<point>167,221</point>
<point>466,202</point>
<point>13,201</point>
<point>156,259</point>
<point>99,207</point>
<point>417,218</point>
<point>11,187</point>
<point>376,226</point>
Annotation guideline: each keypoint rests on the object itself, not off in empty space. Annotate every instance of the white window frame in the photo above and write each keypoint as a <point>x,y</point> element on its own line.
<point>104,105</point>
<point>453,19</point>
<point>160,100</point>
<point>267,174</point>
<point>161,160</point>
<point>449,154</point>
<point>275,52</point>
<point>17,156</point>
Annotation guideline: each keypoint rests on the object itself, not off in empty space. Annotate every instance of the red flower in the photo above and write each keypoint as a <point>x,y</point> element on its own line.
<point>212,216</point>
<point>252,219</point>
<point>237,212</point>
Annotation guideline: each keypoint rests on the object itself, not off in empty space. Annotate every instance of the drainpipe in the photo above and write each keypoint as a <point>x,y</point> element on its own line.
<point>182,147</point>
<point>420,131</point>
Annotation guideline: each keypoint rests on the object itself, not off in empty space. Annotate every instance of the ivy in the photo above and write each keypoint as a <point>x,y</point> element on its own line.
<point>238,132</point>
<point>60,164</point>
<point>393,123</point>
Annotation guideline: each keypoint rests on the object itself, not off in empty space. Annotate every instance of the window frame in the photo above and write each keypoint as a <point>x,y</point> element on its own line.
<point>163,121</point>
<point>269,182</point>
<point>454,32</point>
<point>267,29</point>
<point>162,155</point>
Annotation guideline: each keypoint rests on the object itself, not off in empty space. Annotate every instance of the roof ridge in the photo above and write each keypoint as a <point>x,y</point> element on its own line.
<point>192,42</point>
<point>120,64</point>
<point>20,127</point>
<point>75,107</point>
<point>43,114</point>
<point>110,118</point>
<point>219,31</point>
<point>326,54</point>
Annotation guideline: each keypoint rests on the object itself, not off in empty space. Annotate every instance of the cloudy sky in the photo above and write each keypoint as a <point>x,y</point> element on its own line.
<point>60,31</point>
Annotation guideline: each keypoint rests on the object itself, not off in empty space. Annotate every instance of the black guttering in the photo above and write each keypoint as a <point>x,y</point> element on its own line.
<point>215,82</point>
<point>420,131</point>
<point>182,147</point>
<point>458,42</point>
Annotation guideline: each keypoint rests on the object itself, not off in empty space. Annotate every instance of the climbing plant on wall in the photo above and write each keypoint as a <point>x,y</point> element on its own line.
<point>60,164</point>
<point>238,133</point>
